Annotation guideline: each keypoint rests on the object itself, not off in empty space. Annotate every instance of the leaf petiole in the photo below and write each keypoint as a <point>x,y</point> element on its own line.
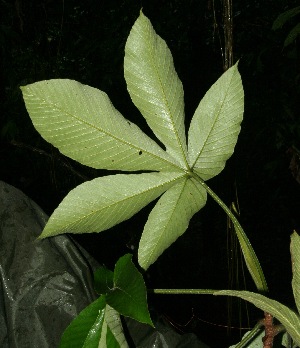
<point>251,259</point>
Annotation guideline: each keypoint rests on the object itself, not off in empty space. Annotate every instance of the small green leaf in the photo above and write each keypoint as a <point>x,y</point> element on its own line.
<point>82,122</point>
<point>216,125</point>
<point>170,218</point>
<point>292,36</point>
<point>155,88</point>
<point>103,280</point>
<point>79,330</point>
<point>129,295</point>
<point>295,254</point>
<point>284,17</point>
<point>289,319</point>
<point>99,204</point>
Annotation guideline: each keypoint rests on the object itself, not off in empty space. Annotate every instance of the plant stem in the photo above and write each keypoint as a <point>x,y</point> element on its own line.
<point>184,291</point>
<point>251,259</point>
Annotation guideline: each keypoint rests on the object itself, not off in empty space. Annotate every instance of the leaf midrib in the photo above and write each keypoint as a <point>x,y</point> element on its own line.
<point>212,128</point>
<point>97,211</point>
<point>168,107</point>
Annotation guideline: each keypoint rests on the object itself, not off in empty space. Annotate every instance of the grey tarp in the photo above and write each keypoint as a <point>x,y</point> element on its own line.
<point>46,283</point>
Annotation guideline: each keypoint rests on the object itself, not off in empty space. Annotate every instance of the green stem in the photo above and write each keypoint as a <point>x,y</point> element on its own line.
<point>251,259</point>
<point>184,291</point>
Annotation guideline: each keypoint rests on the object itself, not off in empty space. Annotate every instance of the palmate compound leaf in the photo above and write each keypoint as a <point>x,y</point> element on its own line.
<point>215,125</point>
<point>155,88</point>
<point>288,318</point>
<point>83,124</point>
<point>99,204</point>
<point>169,219</point>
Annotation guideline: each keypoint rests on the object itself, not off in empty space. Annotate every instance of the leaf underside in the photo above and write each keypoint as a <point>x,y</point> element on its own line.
<point>170,218</point>
<point>99,204</point>
<point>84,125</point>
<point>155,88</point>
<point>216,124</point>
<point>82,122</point>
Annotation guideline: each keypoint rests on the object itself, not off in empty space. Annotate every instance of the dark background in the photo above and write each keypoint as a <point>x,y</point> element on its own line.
<point>85,41</point>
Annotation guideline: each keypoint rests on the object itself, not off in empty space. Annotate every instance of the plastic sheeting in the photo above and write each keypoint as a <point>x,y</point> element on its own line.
<point>46,283</point>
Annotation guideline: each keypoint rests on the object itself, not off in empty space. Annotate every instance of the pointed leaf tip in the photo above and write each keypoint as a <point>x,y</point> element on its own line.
<point>155,88</point>
<point>216,124</point>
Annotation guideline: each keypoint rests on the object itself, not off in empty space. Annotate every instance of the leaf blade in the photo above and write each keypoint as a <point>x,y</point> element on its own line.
<point>295,254</point>
<point>215,125</point>
<point>292,35</point>
<point>169,219</point>
<point>155,88</point>
<point>77,332</point>
<point>83,124</point>
<point>129,296</point>
<point>103,280</point>
<point>99,204</point>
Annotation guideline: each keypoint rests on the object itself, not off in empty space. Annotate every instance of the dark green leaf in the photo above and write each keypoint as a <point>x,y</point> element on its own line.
<point>77,332</point>
<point>104,280</point>
<point>129,295</point>
<point>284,17</point>
<point>292,36</point>
<point>111,341</point>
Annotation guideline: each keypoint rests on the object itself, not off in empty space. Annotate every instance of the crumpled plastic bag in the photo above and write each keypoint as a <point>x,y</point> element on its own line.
<point>46,283</point>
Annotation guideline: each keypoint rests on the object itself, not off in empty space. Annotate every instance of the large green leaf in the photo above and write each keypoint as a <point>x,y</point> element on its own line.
<point>286,316</point>
<point>99,204</point>
<point>295,254</point>
<point>79,330</point>
<point>215,125</point>
<point>169,219</point>
<point>155,88</point>
<point>82,122</point>
<point>129,295</point>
